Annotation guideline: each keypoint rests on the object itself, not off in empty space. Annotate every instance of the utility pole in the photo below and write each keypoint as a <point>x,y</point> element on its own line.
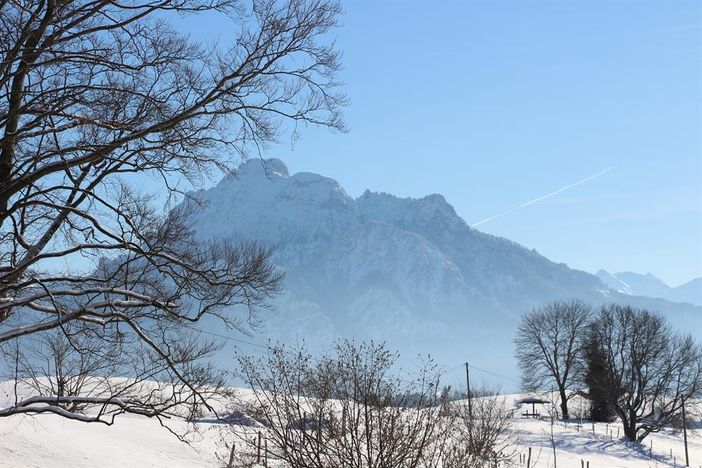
<point>470,403</point>
<point>687,458</point>
<point>470,409</point>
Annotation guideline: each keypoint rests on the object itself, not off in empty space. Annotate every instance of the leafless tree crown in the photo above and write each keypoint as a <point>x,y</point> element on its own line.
<point>94,97</point>
<point>648,370</point>
<point>548,347</point>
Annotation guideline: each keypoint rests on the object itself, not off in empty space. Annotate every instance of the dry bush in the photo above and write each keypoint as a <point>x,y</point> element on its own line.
<point>481,432</point>
<point>344,409</point>
<point>349,409</point>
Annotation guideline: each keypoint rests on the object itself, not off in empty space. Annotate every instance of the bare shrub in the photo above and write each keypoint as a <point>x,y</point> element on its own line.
<point>481,435</point>
<point>343,409</point>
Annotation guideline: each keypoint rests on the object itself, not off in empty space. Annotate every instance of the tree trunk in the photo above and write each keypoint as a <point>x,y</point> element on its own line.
<point>630,428</point>
<point>564,404</point>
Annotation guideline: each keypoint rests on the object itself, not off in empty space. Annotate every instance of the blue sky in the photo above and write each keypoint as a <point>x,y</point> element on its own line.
<point>497,103</point>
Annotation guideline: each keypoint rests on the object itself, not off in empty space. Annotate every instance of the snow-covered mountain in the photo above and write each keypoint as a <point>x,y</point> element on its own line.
<point>408,271</point>
<point>649,285</point>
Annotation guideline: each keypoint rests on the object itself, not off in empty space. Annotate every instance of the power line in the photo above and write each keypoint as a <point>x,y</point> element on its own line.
<point>228,338</point>
<point>513,379</point>
<point>480,369</point>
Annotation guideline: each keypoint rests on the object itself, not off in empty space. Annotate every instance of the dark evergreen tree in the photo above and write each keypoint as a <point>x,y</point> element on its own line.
<point>601,408</point>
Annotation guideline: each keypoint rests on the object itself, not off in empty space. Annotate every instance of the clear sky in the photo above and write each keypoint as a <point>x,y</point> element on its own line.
<point>498,103</point>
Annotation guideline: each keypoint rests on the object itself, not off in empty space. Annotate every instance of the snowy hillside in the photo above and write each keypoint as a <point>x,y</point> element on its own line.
<point>46,441</point>
<point>407,271</point>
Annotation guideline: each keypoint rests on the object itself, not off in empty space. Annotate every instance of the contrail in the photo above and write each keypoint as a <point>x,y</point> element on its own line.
<point>544,197</point>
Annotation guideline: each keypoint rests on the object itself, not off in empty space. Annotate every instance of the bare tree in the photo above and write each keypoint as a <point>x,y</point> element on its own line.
<point>548,348</point>
<point>51,365</point>
<point>76,374</point>
<point>344,409</point>
<point>649,371</point>
<point>94,93</point>
<point>481,436</point>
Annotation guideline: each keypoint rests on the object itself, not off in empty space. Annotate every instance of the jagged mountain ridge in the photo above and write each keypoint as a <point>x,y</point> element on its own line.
<point>408,271</point>
<point>314,223</point>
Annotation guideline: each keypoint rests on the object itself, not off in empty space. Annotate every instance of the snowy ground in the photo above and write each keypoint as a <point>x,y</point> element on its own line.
<point>50,441</point>
<point>601,449</point>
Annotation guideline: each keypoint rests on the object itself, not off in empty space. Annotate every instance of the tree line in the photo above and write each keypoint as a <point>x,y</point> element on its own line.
<point>628,362</point>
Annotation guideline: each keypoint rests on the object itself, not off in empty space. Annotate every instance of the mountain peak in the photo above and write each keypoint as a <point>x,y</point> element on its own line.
<point>269,167</point>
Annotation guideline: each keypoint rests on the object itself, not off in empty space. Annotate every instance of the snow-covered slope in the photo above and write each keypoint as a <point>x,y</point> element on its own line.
<point>49,441</point>
<point>408,271</point>
<point>629,282</point>
<point>649,285</point>
<point>613,282</point>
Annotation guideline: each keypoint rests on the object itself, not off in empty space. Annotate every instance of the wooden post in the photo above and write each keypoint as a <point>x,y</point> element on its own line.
<point>687,457</point>
<point>319,432</point>
<point>553,444</point>
<point>343,420</point>
<point>470,407</point>
<point>470,403</point>
<point>231,457</point>
<point>529,459</point>
<point>265,453</point>
<point>582,463</point>
<point>258,448</point>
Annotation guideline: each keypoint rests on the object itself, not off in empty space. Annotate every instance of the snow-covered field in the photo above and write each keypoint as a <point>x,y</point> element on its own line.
<point>51,441</point>
<point>574,445</point>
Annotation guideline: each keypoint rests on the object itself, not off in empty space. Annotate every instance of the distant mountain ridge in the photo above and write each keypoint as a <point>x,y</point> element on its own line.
<point>407,271</point>
<point>650,286</point>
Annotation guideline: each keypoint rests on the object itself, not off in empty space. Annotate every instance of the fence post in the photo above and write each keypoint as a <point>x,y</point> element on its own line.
<point>231,457</point>
<point>258,448</point>
<point>265,453</point>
